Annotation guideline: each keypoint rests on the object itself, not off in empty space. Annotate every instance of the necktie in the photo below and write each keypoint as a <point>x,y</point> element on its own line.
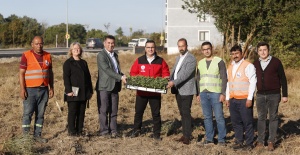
<point>114,62</point>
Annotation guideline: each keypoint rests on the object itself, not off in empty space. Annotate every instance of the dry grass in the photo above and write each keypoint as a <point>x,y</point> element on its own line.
<point>60,143</point>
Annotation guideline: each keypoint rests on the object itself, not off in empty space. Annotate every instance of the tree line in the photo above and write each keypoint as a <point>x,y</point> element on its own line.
<point>18,32</point>
<point>248,22</point>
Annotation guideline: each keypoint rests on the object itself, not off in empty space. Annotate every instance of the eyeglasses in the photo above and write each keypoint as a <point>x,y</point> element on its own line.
<point>150,47</point>
<point>208,49</point>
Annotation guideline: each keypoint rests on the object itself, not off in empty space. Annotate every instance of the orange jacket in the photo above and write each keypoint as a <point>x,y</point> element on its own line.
<point>36,75</point>
<point>239,84</point>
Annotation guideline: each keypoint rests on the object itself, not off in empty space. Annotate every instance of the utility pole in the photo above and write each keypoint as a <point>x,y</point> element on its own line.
<point>67,29</point>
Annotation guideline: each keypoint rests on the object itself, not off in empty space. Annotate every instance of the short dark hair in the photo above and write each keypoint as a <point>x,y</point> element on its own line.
<point>150,41</point>
<point>263,44</point>
<point>182,39</point>
<point>109,37</point>
<point>206,43</point>
<point>236,48</point>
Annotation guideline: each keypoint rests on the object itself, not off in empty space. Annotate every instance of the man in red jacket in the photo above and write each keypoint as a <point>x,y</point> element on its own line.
<point>150,65</point>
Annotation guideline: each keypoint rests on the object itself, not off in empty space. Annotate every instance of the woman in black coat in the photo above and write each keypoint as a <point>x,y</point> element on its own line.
<point>76,74</point>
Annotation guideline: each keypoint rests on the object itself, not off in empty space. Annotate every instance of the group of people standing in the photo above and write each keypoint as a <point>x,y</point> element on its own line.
<point>209,80</point>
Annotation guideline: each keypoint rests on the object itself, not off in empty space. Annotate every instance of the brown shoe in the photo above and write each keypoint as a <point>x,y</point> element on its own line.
<point>270,146</point>
<point>180,139</point>
<point>259,145</point>
<point>186,141</point>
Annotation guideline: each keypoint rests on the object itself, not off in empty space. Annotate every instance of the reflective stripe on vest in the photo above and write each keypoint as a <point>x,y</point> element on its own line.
<point>36,75</point>
<point>239,84</point>
<point>39,125</point>
<point>210,78</point>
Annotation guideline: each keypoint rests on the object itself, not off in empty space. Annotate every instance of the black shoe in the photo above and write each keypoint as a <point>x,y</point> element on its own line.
<point>207,143</point>
<point>135,133</point>
<point>237,146</point>
<point>156,137</point>
<point>72,134</point>
<point>40,139</point>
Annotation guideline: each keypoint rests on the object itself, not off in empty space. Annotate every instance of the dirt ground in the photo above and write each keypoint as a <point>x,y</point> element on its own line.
<point>288,140</point>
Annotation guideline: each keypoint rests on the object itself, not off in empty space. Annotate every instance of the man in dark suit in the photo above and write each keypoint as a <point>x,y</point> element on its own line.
<point>108,87</point>
<point>183,81</point>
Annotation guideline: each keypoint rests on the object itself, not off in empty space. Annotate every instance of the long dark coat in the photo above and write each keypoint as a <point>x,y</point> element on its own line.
<point>74,75</point>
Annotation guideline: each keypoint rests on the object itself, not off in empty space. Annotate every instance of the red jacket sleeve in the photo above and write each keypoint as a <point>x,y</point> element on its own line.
<point>165,69</point>
<point>134,71</point>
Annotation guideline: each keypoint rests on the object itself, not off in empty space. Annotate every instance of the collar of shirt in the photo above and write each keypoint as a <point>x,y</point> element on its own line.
<point>111,54</point>
<point>182,56</point>
<point>266,60</point>
<point>150,59</point>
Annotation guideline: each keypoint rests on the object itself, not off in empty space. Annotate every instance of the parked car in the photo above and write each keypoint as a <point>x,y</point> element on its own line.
<point>94,43</point>
<point>142,41</point>
<point>133,43</point>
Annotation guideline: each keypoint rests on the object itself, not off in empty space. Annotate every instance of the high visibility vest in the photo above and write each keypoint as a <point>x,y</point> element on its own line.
<point>36,75</point>
<point>239,84</point>
<point>210,78</point>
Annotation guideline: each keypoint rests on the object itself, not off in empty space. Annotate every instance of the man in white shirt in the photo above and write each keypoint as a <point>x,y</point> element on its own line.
<point>239,97</point>
<point>182,80</point>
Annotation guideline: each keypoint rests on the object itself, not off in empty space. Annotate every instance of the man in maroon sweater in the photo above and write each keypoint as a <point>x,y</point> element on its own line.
<point>270,80</point>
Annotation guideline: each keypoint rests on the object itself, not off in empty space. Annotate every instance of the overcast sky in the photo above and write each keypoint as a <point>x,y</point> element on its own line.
<point>147,15</point>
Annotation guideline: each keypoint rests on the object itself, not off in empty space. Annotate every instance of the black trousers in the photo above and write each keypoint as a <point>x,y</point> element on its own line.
<point>140,106</point>
<point>184,103</point>
<point>242,121</point>
<point>76,112</point>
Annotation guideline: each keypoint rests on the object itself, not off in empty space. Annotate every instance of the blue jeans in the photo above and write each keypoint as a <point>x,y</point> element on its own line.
<point>267,104</point>
<point>210,104</point>
<point>35,102</point>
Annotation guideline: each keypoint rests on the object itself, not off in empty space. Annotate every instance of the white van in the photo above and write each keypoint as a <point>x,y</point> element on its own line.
<point>133,43</point>
<point>142,41</point>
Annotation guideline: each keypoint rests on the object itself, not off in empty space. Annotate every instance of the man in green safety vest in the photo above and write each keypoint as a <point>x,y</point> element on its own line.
<point>212,78</point>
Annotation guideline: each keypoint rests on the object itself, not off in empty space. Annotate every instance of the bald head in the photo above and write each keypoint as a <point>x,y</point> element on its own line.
<point>37,44</point>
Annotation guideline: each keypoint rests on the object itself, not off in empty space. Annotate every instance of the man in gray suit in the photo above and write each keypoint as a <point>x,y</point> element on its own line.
<point>108,87</point>
<point>183,85</point>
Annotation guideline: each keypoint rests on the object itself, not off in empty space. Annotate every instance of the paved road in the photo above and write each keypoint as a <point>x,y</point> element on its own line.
<point>6,53</point>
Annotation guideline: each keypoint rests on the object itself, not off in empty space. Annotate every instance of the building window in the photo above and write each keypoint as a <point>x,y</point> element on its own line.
<point>203,35</point>
<point>204,18</point>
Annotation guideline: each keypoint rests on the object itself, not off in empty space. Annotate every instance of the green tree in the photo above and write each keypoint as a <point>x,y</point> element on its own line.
<point>120,37</point>
<point>247,20</point>
<point>94,33</point>
<point>138,34</point>
<point>156,37</point>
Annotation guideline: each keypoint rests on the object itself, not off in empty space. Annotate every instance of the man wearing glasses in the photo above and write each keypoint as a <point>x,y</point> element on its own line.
<point>212,78</point>
<point>149,65</point>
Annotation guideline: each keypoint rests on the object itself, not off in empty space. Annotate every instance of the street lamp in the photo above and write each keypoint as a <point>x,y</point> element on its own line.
<point>67,30</point>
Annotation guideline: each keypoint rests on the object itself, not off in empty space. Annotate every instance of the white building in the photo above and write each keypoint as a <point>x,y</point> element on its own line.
<point>180,23</point>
